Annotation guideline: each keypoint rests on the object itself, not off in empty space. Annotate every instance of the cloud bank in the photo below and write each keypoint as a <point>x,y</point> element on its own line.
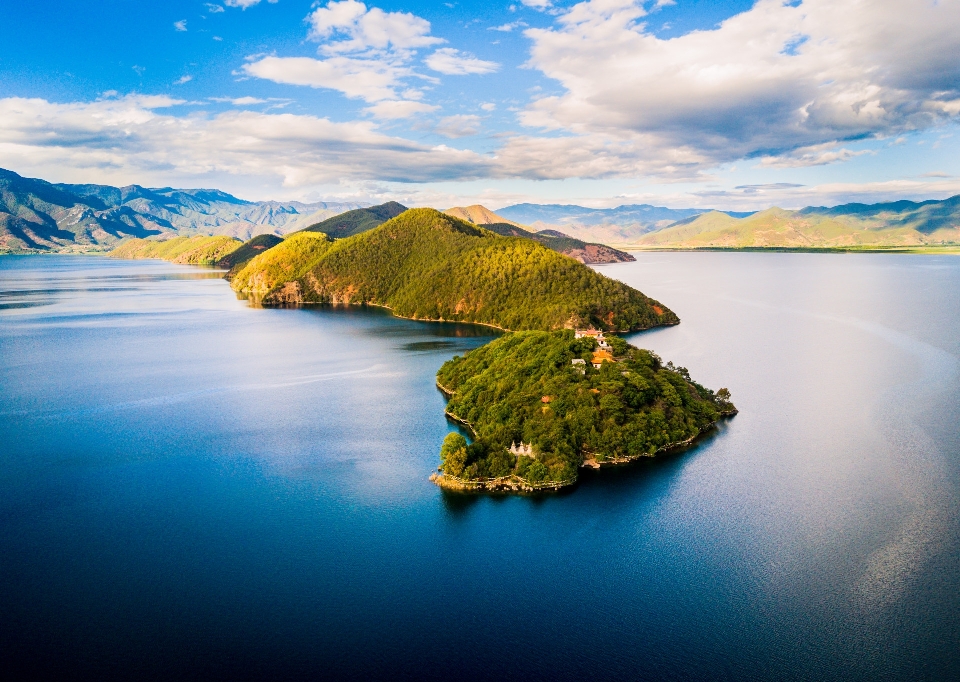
<point>787,82</point>
<point>134,135</point>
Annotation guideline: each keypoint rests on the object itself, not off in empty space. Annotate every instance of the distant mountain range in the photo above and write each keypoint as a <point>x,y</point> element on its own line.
<point>892,224</point>
<point>37,216</point>
<point>620,225</point>
<point>899,223</point>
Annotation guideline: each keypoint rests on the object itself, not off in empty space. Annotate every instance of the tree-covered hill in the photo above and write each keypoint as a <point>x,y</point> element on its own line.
<point>585,252</point>
<point>524,390</point>
<point>286,262</point>
<point>357,221</point>
<point>201,250</point>
<point>235,260</point>
<point>427,265</point>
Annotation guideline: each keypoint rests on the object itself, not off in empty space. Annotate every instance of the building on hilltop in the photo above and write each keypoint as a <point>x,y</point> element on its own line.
<point>594,334</point>
<point>602,356</point>
<point>522,449</point>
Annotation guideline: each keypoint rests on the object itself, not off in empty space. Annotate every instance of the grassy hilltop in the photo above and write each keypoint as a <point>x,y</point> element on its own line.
<point>523,388</point>
<point>200,250</point>
<point>427,265</point>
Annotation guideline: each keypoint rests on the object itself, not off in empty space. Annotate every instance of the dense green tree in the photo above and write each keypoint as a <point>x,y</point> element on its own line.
<point>523,389</point>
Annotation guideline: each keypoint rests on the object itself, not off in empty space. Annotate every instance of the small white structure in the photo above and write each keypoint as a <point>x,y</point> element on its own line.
<point>580,333</point>
<point>578,361</point>
<point>522,449</point>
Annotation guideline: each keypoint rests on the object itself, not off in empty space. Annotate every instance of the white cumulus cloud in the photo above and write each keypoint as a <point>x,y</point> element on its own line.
<point>355,28</point>
<point>460,125</point>
<point>452,62</point>
<point>366,53</point>
<point>396,109</point>
<point>781,80</point>
<point>368,79</point>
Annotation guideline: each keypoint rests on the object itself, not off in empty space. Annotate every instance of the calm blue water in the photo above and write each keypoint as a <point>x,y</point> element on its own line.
<point>194,489</point>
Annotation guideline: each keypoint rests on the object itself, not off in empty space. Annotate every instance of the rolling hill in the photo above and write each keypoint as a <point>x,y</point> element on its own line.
<point>357,221</point>
<point>200,250</point>
<point>593,254</point>
<point>897,224</point>
<point>620,225</point>
<point>427,265</point>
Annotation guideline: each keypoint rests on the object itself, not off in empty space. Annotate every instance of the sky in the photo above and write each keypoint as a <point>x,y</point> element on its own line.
<point>732,105</point>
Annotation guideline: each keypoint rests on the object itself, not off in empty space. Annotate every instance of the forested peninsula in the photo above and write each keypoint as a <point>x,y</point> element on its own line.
<point>426,265</point>
<point>542,405</point>
<point>544,400</point>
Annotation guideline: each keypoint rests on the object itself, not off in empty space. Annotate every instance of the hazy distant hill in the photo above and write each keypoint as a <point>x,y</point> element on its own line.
<point>36,215</point>
<point>479,215</point>
<point>901,223</point>
<point>575,248</point>
<point>620,225</point>
<point>357,221</point>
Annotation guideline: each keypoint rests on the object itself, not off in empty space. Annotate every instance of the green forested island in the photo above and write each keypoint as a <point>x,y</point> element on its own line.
<point>426,265</point>
<point>539,406</point>
<point>541,401</point>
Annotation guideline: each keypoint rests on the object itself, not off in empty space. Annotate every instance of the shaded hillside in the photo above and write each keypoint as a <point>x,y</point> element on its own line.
<point>235,260</point>
<point>211,211</point>
<point>38,216</point>
<point>427,265</point>
<point>899,224</point>
<point>584,252</point>
<point>357,221</point>
<point>200,250</point>
<point>591,254</point>
<point>925,217</point>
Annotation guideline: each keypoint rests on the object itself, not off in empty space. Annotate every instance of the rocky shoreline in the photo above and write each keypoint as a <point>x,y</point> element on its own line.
<point>514,483</point>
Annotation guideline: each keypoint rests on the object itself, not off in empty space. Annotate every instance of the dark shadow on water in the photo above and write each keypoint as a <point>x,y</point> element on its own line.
<point>639,477</point>
<point>427,346</point>
<point>393,325</point>
<point>649,477</point>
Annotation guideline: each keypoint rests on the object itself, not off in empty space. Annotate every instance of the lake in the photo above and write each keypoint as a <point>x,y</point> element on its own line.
<point>191,488</point>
